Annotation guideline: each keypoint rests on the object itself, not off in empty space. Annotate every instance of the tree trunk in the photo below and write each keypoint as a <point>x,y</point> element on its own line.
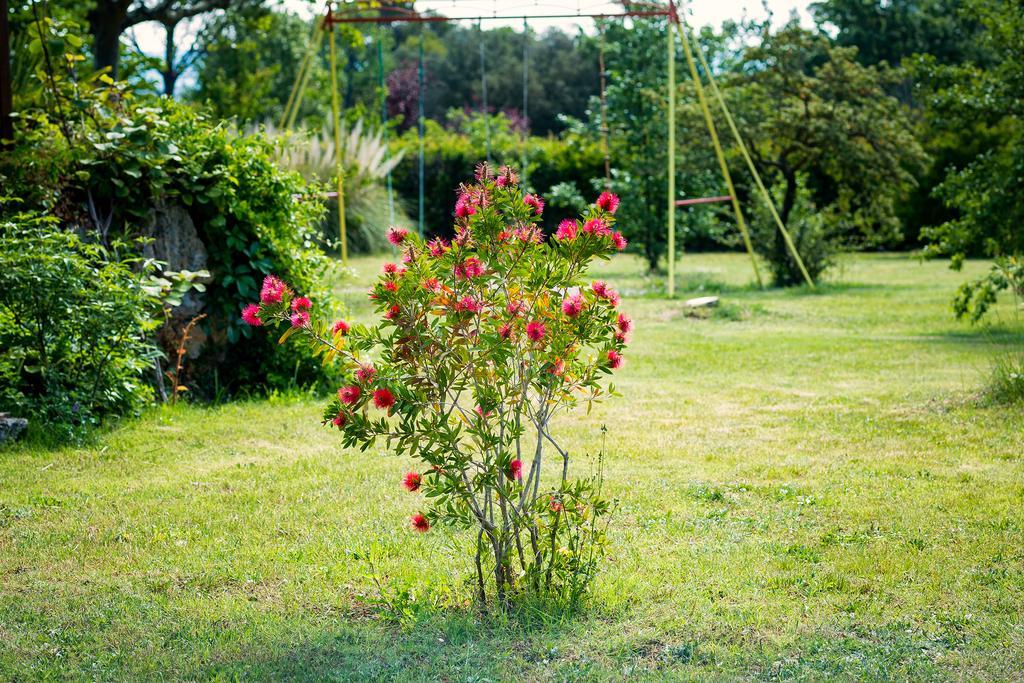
<point>106,23</point>
<point>170,73</point>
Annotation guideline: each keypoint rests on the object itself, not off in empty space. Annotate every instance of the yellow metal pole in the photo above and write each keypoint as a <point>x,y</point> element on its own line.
<point>719,154</point>
<point>338,157</point>
<point>303,79</point>
<point>671,162</point>
<point>300,76</point>
<point>750,165</point>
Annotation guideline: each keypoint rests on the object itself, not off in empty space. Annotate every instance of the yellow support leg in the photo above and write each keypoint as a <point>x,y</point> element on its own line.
<point>338,157</point>
<point>671,163</point>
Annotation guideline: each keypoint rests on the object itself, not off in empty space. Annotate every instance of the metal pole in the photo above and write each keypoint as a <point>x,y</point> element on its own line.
<point>671,162</point>
<point>6,102</point>
<point>526,98</point>
<point>338,158</point>
<point>384,114</point>
<point>483,88</point>
<point>420,125</point>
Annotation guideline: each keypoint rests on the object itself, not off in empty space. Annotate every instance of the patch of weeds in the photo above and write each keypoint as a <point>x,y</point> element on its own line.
<point>1006,380</point>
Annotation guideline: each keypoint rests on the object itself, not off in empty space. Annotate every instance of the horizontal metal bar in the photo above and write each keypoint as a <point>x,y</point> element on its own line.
<point>424,19</point>
<point>703,200</point>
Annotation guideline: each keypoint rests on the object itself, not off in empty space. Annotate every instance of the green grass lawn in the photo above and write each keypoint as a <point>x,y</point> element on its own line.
<point>807,485</point>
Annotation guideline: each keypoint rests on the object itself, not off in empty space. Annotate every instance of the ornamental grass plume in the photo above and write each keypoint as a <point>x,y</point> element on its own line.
<point>477,345</point>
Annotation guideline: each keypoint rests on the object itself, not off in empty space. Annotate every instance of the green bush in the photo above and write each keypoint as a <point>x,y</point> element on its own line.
<point>809,229</point>
<point>103,172</point>
<point>451,154</point>
<point>73,329</point>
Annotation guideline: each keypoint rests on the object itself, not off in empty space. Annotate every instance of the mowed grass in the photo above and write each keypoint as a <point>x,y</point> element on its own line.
<point>808,488</point>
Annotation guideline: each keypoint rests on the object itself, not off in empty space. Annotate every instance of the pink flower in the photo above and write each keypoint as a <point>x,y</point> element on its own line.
<point>530,234</point>
<point>480,411</point>
<point>390,268</point>
<point>621,337</point>
<point>469,268</point>
<point>432,285</point>
<point>506,177</point>
<point>614,359</point>
<point>383,399</point>
<point>391,286</point>
<point>536,330</point>
<point>437,247</point>
<point>619,241</point>
<point>301,303</point>
<point>339,420</point>
<point>536,202</point>
<point>464,206</point>
<point>600,288</point>
<point>608,202</point>
<point>366,373</point>
<point>341,327</point>
<point>250,314</point>
<point>420,523</point>
<point>469,305</point>
<point>397,235</point>
<point>505,331</point>
<point>272,291</point>
<point>613,297</point>
<point>515,469</point>
<point>516,307</point>
<point>392,312</point>
<point>572,305</point>
<point>412,481</point>
<point>300,319</point>
<point>625,324</point>
<point>349,395</point>
<point>566,231</point>
<point>596,226</point>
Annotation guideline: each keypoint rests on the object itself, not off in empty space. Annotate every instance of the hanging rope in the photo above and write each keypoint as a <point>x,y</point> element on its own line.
<point>719,154</point>
<point>384,115</point>
<point>483,88</point>
<point>420,130</point>
<point>604,112</point>
<point>526,98</point>
<point>746,156</point>
<point>338,156</point>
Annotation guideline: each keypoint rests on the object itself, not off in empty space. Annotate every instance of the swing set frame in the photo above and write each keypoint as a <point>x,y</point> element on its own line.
<point>356,12</point>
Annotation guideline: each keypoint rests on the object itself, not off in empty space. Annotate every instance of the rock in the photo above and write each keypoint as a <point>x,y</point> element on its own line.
<point>702,302</point>
<point>11,427</point>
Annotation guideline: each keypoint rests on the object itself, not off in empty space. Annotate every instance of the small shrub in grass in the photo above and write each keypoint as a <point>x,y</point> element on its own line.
<point>481,342</point>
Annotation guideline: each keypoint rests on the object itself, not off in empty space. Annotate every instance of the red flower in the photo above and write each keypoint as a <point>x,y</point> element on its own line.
<point>506,177</point>
<point>536,202</point>
<point>600,288</point>
<point>341,327</point>
<point>272,291</point>
<point>614,359</point>
<point>366,373</point>
<point>339,420</point>
<point>536,330</point>
<point>566,231</point>
<point>619,241</point>
<point>557,368</point>
<point>397,235</point>
<point>437,247</point>
<point>469,305</point>
<point>515,469</point>
<point>412,481</point>
<point>469,268</point>
<point>301,303</point>
<point>555,505</point>
<point>392,312</point>
<point>250,314</point>
<point>391,286</point>
<point>596,226</point>
<point>625,324</point>
<point>432,285</point>
<point>516,307</point>
<point>505,331</point>
<point>572,305</point>
<point>383,399</point>
<point>349,395</point>
<point>300,319</point>
<point>608,202</point>
<point>420,523</point>
<point>390,268</point>
<point>464,206</point>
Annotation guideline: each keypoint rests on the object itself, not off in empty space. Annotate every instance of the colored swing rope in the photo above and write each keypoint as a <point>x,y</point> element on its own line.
<point>719,154</point>
<point>746,155</point>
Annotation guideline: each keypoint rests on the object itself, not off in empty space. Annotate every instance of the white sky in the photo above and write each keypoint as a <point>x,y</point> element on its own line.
<point>150,36</point>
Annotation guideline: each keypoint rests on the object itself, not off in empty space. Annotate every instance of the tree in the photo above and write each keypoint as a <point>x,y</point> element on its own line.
<point>812,115</point>
<point>109,19</point>
<point>986,192</point>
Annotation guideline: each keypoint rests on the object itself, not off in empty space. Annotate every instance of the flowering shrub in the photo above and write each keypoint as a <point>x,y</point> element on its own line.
<point>481,341</point>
